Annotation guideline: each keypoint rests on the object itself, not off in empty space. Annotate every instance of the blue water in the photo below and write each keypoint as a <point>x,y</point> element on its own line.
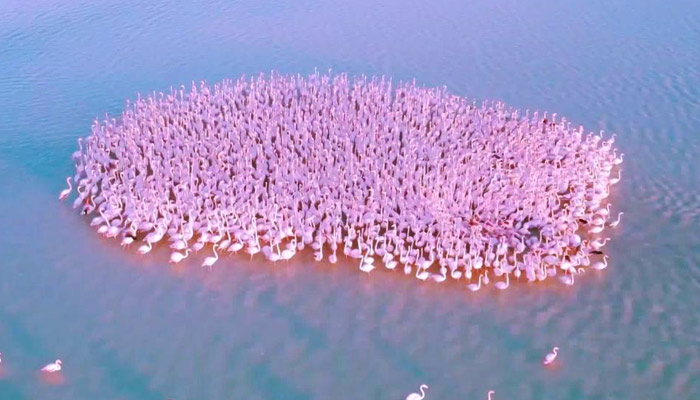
<point>130,327</point>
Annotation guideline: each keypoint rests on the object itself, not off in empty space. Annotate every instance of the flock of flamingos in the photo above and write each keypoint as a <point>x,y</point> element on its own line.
<point>422,180</point>
<point>418,178</point>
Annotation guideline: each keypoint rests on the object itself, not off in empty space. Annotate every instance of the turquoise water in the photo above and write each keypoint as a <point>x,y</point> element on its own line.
<point>131,327</point>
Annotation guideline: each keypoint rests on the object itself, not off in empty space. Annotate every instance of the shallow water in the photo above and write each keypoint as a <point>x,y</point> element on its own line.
<point>130,327</point>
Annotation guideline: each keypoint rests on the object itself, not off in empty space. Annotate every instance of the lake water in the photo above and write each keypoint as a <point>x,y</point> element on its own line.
<point>130,327</point>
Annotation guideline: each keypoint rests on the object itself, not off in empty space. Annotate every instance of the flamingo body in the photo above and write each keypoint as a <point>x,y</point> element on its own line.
<point>549,358</point>
<point>52,367</point>
<point>417,396</point>
<point>65,192</point>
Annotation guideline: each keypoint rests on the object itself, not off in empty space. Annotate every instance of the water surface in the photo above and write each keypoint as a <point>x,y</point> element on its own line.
<point>130,327</point>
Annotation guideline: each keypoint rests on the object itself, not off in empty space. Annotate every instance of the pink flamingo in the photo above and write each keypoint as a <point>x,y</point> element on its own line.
<point>416,396</point>
<point>65,192</point>
<point>549,358</point>
<point>52,367</point>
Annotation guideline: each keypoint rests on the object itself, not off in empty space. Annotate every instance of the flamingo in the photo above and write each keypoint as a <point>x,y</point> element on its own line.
<point>575,240</point>
<point>568,280</point>
<point>365,267</point>
<point>491,392</point>
<point>103,229</point>
<point>600,265</point>
<point>209,261</point>
<point>127,240</point>
<point>422,275</point>
<point>145,248</point>
<point>604,211</point>
<point>549,358</point>
<point>618,160</point>
<point>566,265</point>
<point>440,277</point>
<point>235,247</point>
<point>79,200</point>
<point>598,220</point>
<point>596,229</point>
<point>176,257</point>
<point>503,285</point>
<point>275,256</point>
<point>52,367</point>
<point>367,263</point>
<point>318,255</point>
<point>598,243</point>
<point>290,251</point>
<point>615,223</point>
<point>65,192</point>
<point>473,286</point>
<point>416,396</point>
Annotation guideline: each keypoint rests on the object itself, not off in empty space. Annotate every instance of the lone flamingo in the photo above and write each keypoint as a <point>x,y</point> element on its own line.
<point>600,265</point>
<point>52,367</point>
<point>549,358</point>
<point>416,396</point>
<point>616,222</point>
<point>65,192</point>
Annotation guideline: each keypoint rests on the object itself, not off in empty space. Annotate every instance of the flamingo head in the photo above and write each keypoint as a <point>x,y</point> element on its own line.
<point>59,362</point>
<point>555,349</point>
